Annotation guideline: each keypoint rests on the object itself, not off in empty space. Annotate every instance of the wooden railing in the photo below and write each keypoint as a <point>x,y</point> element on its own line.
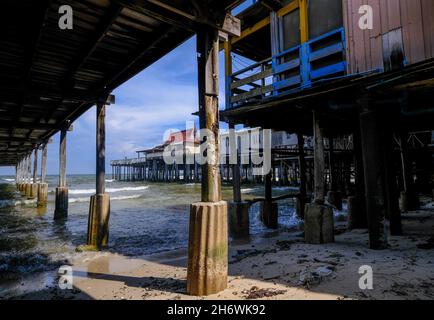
<point>297,68</point>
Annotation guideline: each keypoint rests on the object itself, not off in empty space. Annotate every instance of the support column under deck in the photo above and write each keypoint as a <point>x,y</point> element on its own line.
<point>318,222</point>
<point>373,165</point>
<point>99,210</point>
<point>208,235</point>
<point>61,209</point>
<point>43,186</point>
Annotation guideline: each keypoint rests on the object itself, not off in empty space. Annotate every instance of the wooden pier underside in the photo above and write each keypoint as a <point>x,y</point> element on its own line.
<point>50,77</point>
<point>404,95</point>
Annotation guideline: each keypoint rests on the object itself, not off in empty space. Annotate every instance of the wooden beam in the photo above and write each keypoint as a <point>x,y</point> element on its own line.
<point>141,52</point>
<point>156,12</point>
<point>228,71</point>
<point>93,44</point>
<point>304,22</point>
<point>27,125</point>
<point>48,92</point>
<point>294,5</point>
<point>31,53</point>
<point>247,32</point>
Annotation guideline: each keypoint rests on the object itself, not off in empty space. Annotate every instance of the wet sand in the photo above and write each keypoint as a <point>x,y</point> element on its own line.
<point>278,267</point>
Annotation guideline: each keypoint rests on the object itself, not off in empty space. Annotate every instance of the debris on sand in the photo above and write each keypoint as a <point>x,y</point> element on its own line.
<point>257,293</point>
<point>310,278</point>
<point>243,254</point>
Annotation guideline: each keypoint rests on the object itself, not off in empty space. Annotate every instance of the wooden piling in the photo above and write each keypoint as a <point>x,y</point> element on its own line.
<point>373,164</point>
<point>208,234</point>
<point>357,215</point>
<point>61,205</point>
<point>393,213</point>
<point>302,199</point>
<point>334,196</point>
<point>99,210</point>
<point>409,199</point>
<point>319,224</point>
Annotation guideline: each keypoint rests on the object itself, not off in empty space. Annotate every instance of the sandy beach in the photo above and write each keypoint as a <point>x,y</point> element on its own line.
<point>280,267</point>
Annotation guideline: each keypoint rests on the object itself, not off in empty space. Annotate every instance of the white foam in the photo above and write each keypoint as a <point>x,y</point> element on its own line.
<point>109,180</point>
<point>9,180</point>
<point>87,199</point>
<point>109,190</point>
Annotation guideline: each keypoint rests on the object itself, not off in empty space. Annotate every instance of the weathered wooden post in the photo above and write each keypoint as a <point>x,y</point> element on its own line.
<point>393,212</point>
<point>21,185</point>
<point>208,234</point>
<point>269,209</point>
<point>409,199</point>
<point>373,165</point>
<point>28,189</point>
<point>318,224</point>
<point>61,205</point>
<point>239,221</point>
<point>334,197</point>
<point>302,198</point>
<point>357,216</point>
<point>34,185</point>
<point>18,179</point>
<point>43,186</point>
<point>99,211</point>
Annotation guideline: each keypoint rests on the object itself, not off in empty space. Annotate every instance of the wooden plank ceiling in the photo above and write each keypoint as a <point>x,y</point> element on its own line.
<point>49,76</point>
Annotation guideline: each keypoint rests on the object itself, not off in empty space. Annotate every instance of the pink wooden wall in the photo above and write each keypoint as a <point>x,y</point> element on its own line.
<point>365,47</point>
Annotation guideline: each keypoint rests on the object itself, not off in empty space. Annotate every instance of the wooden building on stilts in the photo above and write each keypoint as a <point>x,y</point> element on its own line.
<point>333,69</point>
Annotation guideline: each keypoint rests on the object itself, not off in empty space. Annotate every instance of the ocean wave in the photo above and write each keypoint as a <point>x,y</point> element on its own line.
<point>110,180</point>
<point>109,190</point>
<point>87,199</point>
<point>9,180</point>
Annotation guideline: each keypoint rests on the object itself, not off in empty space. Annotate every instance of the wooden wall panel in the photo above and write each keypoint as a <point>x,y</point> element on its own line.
<point>365,47</point>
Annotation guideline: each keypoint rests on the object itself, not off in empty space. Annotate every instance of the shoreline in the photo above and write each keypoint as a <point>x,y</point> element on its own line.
<point>273,267</point>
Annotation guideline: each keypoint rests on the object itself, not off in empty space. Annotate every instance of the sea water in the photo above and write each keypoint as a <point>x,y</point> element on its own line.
<point>146,218</point>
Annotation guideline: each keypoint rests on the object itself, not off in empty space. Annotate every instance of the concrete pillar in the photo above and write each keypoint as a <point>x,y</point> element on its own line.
<point>61,203</point>
<point>318,222</point>
<point>99,210</point>
<point>373,165</point>
<point>208,235</point>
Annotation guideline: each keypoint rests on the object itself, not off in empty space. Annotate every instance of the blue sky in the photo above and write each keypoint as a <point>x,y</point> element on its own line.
<point>161,97</point>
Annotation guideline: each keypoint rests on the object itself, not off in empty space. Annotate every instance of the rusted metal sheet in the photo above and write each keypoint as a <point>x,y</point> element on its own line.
<point>405,25</point>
